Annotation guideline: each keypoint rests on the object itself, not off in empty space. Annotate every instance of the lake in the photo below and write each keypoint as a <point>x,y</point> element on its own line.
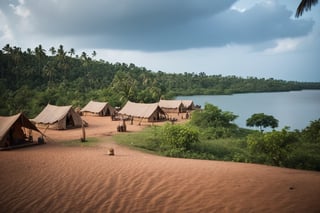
<point>294,109</point>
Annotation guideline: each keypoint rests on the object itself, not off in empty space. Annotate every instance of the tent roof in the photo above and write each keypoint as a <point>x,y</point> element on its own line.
<point>139,109</point>
<point>51,114</point>
<point>6,123</point>
<point>187,103</point>
<point>94,106</point>
<point>171,104</point>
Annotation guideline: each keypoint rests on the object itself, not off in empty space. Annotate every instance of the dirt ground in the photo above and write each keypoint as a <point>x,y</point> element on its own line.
<point>58,178</point>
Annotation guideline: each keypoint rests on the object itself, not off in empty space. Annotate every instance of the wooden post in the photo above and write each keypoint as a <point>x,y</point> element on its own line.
<point>83,139</point>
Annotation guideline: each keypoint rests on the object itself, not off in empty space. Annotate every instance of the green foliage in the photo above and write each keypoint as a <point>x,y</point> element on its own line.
<point>261,120</point>
<point>178,137</point>
<point>214,122</point>
<point>273,147</point>
<point>228,149</point>
<point>66,78</point>
<point>304,156</point>
<point>278,148</point>
<point>148,139</point>
<point>311,133</point>
<point>212,116</point>
<point>151,139</point>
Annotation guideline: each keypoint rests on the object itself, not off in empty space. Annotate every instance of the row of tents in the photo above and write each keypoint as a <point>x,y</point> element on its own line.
<point>14,129</point>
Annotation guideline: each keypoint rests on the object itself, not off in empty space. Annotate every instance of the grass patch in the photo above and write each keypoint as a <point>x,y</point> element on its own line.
<point>149,140</point>
<point>90,142</point>
<point>145,140</point>
<point>299,154</point>
<point>226,149</point>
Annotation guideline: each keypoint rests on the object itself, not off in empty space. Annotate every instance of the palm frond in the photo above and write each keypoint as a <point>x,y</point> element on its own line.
<point>305,5</point>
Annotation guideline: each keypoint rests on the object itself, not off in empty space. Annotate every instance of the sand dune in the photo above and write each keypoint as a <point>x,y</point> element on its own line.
<point>56,178</point>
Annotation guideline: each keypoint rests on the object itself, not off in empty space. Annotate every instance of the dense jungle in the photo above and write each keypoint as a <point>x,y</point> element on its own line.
<point>32,78</point>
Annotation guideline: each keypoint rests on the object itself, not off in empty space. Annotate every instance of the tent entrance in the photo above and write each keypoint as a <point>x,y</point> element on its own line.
<point>69,121</point>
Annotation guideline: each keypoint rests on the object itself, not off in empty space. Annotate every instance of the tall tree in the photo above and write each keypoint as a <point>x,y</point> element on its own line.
<point>125,85</point>
<point>29,51</point>
<point>7,49</point>
<point>40,55</point>
<point>53,51</point>
<point>94,54</point>
<point>305,5</point>
<point>262,120</point>
<point>62,61</point>
<point>72,52</point>
<point>84,56</point>
<point>61,52</point>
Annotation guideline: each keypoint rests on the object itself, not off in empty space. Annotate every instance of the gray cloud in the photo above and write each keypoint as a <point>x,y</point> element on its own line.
<point>156,25</point>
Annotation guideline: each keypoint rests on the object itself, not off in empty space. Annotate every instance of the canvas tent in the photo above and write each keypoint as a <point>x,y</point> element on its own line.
<point>176,105</point>
<point>58,117</point>
<point>143,112</point>
<point>98,109</point>
<point>171,105</point>
<point>188,105</point>
<point>16,130</point>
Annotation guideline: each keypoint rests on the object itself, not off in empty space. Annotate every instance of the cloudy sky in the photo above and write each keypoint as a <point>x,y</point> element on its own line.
<point>259,38</point>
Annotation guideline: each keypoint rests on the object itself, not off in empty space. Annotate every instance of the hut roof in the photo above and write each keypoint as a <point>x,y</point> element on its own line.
<point>141,110</point>
<point>51,114</point>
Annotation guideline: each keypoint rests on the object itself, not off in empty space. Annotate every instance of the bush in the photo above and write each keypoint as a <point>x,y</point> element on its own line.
<point>272,147</point>
<point>212,117</point>
<point>304,156</point>
<point>311,133</point>
<point>178,137</point>
<point>222,149</point>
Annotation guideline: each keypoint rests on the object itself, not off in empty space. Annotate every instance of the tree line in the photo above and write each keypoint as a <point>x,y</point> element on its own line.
<point>32,78</point>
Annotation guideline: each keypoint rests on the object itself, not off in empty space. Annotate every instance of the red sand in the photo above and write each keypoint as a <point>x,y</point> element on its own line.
<point>56,178</point>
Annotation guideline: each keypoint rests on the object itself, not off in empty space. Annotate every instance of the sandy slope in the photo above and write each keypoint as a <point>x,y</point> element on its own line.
<point>56,178</point>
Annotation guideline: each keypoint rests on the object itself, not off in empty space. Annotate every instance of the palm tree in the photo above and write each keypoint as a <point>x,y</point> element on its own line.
<point>61,52</point>
<point>53,51</point>
<point>62,62</point>
<point>305,5</point>
<point>72,52</point>
<point>94,54</point>
<point>84,56</point>
<point>40,55</point>
<point>7,49</point>
<point>29,51</point>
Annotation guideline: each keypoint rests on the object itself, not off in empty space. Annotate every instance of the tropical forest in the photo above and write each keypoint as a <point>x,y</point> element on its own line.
<point>32,78</point>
